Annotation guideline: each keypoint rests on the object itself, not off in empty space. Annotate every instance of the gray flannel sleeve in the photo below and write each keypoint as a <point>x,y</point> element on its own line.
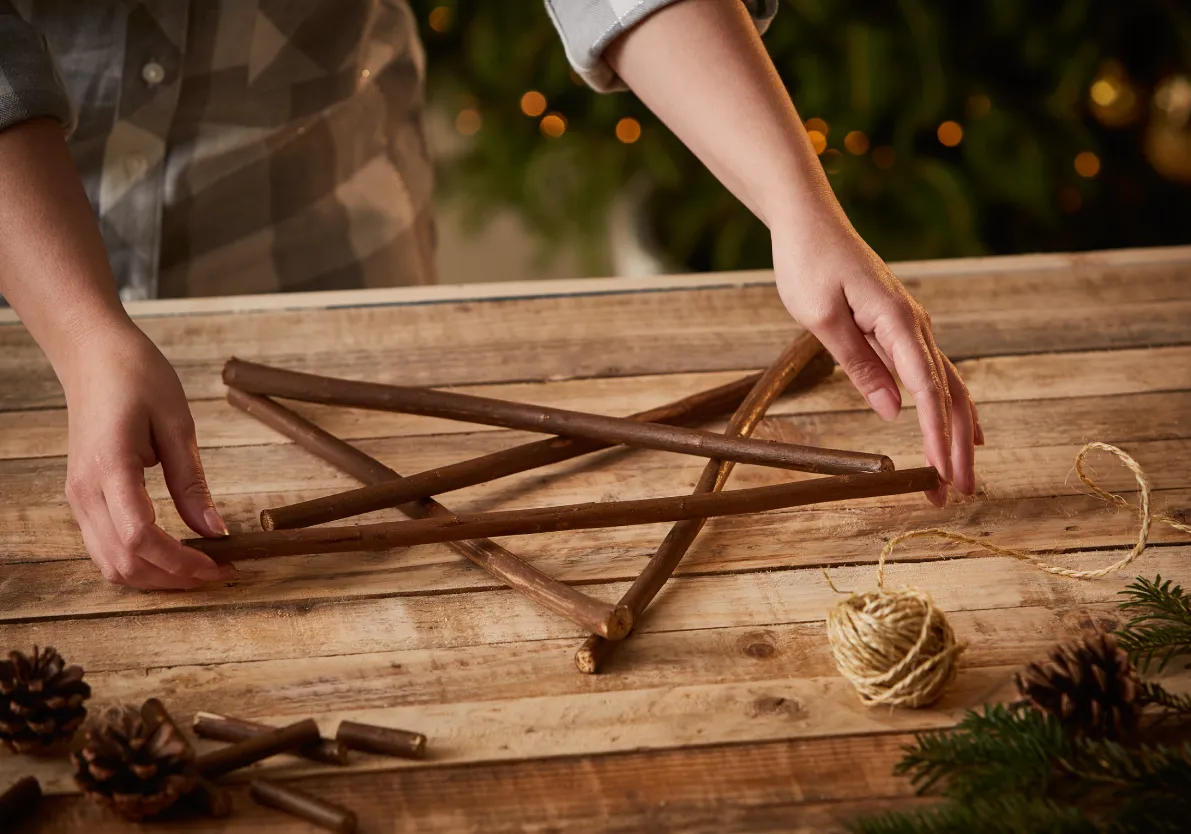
<point>29,83</point>
<point>587,27</point>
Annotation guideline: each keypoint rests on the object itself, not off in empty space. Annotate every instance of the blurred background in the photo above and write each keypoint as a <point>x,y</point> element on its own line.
<point>948,129</point>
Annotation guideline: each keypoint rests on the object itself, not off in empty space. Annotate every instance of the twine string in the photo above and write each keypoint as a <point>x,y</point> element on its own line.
<point>897,648</point>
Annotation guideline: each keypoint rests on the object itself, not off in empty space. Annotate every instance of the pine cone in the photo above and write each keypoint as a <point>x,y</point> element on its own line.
<point>41,700</point>
<point>136,762</point>
<point>1089,685</point>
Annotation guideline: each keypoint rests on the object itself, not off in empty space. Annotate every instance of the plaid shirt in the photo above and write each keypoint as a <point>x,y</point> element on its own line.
<point>245,146</point>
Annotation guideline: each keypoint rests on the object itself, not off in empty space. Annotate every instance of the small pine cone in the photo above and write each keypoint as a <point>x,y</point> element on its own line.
<point>136,762</point>
<point>41,700</point>
<point>1089,685</point>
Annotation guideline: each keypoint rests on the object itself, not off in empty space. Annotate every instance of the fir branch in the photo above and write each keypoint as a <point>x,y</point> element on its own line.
<point>1004,749</point>
<point>1010,814</point>
<point>1157,694</point>
<point>1161,628</point>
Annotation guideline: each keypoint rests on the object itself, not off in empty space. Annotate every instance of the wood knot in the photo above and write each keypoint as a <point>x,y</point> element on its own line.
<point>757,644</point>
<point>776,705</point>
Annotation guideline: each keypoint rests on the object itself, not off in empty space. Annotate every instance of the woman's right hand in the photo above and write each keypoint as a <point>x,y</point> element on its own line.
<point>127,412</point>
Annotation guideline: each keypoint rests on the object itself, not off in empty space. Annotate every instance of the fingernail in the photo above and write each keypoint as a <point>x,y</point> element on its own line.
<point>884,403</point>
<point>215,521</point>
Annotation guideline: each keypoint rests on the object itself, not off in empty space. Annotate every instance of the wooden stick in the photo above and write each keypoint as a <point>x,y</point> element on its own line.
<point>592,615</point>
<point>303,805</point>
<point>450,405</point>
<point>390,493</point>
<point>226,728</point>
<point>20,799</point>
<point>387,741</point>
<point>595,651</point>
<point>568,517</point>
<point>243,753</point>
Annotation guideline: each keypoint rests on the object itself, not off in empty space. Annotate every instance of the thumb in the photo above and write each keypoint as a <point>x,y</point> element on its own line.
<point>177,449</point>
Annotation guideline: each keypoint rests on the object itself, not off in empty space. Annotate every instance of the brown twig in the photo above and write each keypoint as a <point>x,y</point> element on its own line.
<point>303,805</point>
<point>451,405</point>
<point>387,741</point>
<point>693,409</point>
<point>251,750</point>
<point>567,517</point>
<point>225,728</point>
<point>768,387</point>
<point>592,615</point>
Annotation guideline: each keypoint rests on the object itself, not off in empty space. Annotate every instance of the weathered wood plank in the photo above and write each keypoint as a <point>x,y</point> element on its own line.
<point>376,680</point>
<point>1126,419</point>
<point>780,783</point>
<point>331,626</point>
<point>42,433</point>
<point>631,333</point>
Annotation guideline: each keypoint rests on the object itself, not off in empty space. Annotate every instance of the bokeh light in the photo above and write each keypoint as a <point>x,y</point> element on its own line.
<point>950,133</point>
<point>819,125</point>
<point>1087,164</point>
<point>833,161</point>
<point>883,156</point>
<point>553,125</point>
<point>818,140</point>
<point>628,130</point>
<point>856,142</point>
<point>468,121</point>
<point>440,18</point>
<point>533,104</point>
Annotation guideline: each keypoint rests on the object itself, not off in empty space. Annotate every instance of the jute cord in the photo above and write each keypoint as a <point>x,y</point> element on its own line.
<point>898,649</point>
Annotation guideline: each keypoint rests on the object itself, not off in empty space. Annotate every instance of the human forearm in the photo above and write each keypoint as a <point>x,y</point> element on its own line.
<point>53,266</point>
<point>701,67</point>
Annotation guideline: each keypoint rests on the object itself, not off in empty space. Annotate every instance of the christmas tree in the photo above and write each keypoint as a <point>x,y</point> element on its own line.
<point>948,129</point>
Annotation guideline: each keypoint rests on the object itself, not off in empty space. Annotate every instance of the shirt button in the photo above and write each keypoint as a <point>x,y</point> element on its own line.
<point>153,73</point>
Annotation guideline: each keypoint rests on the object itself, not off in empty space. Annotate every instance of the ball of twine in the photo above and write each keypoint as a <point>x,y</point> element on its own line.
<point>895,647</point>
<point>898,649</point>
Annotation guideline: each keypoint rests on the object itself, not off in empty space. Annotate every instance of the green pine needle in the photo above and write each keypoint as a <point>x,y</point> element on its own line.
<point>1010,814</point>
<point>1160,629</point>
<point>1157,694</point>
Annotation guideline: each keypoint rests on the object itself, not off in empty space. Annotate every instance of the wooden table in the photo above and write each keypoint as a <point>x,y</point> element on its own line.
<point>724,712</point>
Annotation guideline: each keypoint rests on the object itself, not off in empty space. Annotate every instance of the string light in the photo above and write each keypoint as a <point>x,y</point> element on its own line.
<point>533,104</point>
<point>818,140</point>
<point>819,125</point>
<point>856,142</point>
<point>1087,164</point>
<point>1104,92</point>
<point>628,130</point>
<point>553,125</point>
<point>883,156</point>
<point>440,18</point>
<point>833,161</point>
<point>1070,200</point>
<point>468,121</point>
<point>950,133</point>
<point>978,105</point>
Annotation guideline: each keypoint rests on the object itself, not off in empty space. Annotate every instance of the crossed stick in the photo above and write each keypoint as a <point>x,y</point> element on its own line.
<point>250,386</point>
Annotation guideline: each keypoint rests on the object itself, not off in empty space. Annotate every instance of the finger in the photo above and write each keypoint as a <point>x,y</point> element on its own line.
<point>132,570</point>
<point>177,448</point>
<point>902,338</point>
<point>137,536</point>
<point>940,362</point>
<point>864,367</point>
<point>963,447</point>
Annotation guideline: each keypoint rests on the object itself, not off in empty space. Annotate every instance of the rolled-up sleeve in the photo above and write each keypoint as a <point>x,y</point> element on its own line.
<point>29,84</point>
<point>587,27</point>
